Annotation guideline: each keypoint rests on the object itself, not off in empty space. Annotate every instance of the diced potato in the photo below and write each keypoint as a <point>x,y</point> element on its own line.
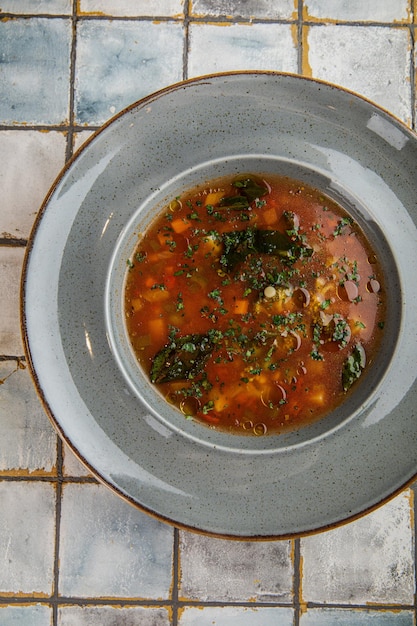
<point>214,198</point>
<point>137,304</point>
<point>220,404</point>
<point>157,328</point>
<point>156,295</point>
<point>211,246</point>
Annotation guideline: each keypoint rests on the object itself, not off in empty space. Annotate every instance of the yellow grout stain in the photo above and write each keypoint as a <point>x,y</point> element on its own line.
<point>306,68</point>
<point>302,603</point>
<point>294,34</point>
<point>410,496</point>
<point>80,12</point>
<point>20,594</point>
<point>20,365</point>
<point>22,472</point>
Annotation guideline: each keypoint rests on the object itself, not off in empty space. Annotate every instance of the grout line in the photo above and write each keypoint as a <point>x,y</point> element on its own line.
<point>47,478</point>
<point>297,582</point>
<point>414,531</point>
<point>207,19</point>
<point>413,85</point>
<point>13,242</point>
<point>383,608</point>
<point>300,43</point>
<point>58,502</point>
<point>186,39</point>
<point>73,56</point>
<point>60,128</point>
<point>175,577</point>
<point>149,602</point>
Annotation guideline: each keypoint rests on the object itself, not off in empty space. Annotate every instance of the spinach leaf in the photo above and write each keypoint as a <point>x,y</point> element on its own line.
<point>181,359</point>
<point>249,191</point>
<point>237,245</point>
<point>250,188</point>
<point>353,366</point>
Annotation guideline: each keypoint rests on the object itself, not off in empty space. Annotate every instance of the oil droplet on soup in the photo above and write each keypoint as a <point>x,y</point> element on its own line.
<point>254,304</point>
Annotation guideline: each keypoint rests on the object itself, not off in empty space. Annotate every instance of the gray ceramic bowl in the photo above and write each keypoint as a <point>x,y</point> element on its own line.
<point>73,322</point>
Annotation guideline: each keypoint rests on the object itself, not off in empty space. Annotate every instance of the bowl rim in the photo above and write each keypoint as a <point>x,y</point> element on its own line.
<point>23,298</point>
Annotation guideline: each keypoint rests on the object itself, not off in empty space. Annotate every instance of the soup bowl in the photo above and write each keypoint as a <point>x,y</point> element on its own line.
<point>77,344</point>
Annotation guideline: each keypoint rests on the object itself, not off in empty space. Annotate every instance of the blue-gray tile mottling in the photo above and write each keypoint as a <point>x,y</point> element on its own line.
<point>108,553</point>
<point>352,617</point>
<point>50,7</point>
<point>34,71</point>
<point>236,616</point>
<point>36,615</point>
<point>119,62</point>
<point>271,9</point>
<point>111,549</point>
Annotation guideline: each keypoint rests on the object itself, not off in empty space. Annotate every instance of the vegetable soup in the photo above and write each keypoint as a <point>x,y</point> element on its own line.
<point>254,304</point>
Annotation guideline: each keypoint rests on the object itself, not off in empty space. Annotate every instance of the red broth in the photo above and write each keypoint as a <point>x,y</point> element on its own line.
<point>254,304</point>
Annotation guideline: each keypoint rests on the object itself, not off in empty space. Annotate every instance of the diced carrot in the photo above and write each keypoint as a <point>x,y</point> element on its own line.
<point>241,307</point>
<point>269,216</point>
<point>157,328</point>
<point>169,281</point>
<point>162,238</point>
<point>212,419</point>
<point>149,281</point>
<point>180,225</point>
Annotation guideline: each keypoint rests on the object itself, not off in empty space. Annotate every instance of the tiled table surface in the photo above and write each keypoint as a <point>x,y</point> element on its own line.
<point>71,552</point>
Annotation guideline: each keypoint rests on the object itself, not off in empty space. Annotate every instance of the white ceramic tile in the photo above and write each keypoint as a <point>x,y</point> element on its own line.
<point>415,87</point>
<point>27,521</point>
<point>236,616</point>
<point>27,439</point>
<point>133,8</point>
<point>359,10</point>
<point>119,62</point>
<point>32,615</point>
<point>241,47</point>
<point>72,466</point>
<point>355,617</point>
<point>30,162</point>
<point>11,260</point>
<point>109,548</point>
<point>355,62</point>
<point>80,138</point>
<point>272,9</point>
<point>112,616</point>
<point>212,569</point>
<point>35,56</point>
<point>367,561</point>
<point>36,7</point>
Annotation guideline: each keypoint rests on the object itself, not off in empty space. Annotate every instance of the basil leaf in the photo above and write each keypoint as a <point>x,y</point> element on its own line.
<point>181,359</point>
